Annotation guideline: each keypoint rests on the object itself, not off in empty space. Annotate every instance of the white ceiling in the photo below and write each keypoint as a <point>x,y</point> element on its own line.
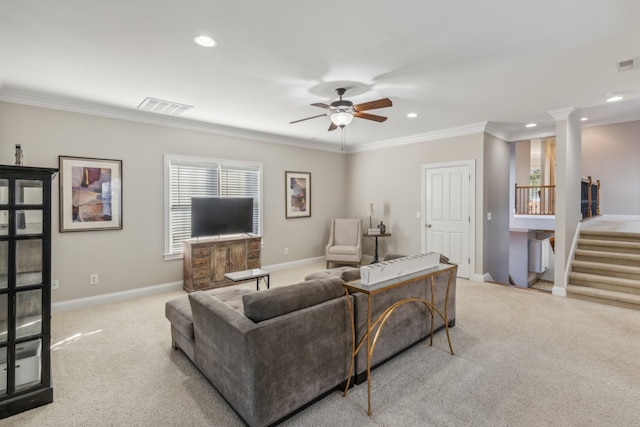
<point>456,63</point>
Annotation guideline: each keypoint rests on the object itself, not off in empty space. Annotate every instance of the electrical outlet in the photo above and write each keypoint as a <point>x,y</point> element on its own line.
<point>55,284</point>
<point>286,251</point>
<point>93,279</point>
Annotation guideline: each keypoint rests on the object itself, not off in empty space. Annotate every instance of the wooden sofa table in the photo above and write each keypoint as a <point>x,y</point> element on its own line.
<point>425,276</point>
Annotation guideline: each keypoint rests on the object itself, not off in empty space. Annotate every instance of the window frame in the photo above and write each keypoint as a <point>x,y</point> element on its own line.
<point>170,159</point>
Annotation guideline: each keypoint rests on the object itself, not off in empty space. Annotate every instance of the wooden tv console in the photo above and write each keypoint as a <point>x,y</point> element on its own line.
<point>207,260</point>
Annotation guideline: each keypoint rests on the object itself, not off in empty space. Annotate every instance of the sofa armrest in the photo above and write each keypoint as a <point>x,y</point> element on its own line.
<point>222,351</point>
<point>268,369</point>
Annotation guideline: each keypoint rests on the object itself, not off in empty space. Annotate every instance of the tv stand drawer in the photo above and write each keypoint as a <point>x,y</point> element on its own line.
<point>207,260</point>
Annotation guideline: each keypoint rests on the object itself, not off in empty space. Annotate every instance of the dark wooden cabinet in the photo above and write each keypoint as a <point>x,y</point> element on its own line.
<point>25,288</point>
<point>207,260</point>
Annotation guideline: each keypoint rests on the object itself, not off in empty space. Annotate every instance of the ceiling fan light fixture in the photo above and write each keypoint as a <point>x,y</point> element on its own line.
<point>341,118</point>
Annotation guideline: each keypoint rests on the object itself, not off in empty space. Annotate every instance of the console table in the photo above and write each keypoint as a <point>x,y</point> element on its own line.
<point>375,236</point>
<point>207,260</point>
<point>425,276</point>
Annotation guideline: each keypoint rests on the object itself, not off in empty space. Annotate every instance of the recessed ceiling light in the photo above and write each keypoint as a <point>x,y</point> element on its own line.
<point>412,115</point>
<point>531,125</point>
<point>584,119</point>
<point>615,98</point>
<point>204,41</point>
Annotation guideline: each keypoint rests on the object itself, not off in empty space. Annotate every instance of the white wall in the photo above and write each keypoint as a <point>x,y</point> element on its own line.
<point>133,257</point>
<point>612,154</point>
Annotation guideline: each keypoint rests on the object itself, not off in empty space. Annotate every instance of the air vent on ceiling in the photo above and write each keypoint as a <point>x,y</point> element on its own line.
<point>164,107</point>
<point>629,64</point>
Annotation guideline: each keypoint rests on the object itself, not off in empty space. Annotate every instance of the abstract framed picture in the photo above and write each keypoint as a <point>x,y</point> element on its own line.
<point>297,194</point>
<point>90,194</point>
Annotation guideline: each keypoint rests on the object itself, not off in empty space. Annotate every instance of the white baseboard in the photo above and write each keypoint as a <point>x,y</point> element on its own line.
<point>293,264</point>
<point>486,277</point>
<point>559,291</point>
<point>75,304</point>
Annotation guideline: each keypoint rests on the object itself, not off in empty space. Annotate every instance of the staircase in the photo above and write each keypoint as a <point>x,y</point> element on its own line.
<point>606,268</point>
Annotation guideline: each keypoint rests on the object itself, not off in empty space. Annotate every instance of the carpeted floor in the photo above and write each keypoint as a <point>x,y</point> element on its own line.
<point>522,359</point>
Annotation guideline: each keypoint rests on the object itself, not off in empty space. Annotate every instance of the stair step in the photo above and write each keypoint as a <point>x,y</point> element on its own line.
<point>607,257</point>
<point>609,245</point>
<point>603,296</point>
<point>608,270</point>
<point>609,283</point>
<point>610,235</point>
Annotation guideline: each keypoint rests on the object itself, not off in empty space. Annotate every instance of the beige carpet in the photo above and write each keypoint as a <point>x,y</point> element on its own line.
<point>522,358</point>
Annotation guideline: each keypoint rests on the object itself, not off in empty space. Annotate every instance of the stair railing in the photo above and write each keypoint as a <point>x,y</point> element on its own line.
<point>590,199</point>
<point>541,199</point>
<point>535,200</point>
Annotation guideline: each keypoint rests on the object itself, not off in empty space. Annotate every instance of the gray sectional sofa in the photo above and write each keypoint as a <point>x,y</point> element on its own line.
<point>272,352</point>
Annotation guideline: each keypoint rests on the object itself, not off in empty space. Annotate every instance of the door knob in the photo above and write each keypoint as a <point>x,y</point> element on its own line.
<point>428,226</point>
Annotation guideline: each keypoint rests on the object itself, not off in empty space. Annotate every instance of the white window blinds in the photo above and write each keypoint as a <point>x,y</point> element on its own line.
<point>188,177</point>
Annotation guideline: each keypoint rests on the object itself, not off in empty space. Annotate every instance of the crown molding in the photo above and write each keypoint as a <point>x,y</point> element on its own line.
<point>84,107</point>
<point>562,113</point>
<point>34,99</point>
<point>471,129</point>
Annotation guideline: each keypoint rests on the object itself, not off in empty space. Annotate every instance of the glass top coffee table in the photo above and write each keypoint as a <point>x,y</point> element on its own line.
<point>254,273</point>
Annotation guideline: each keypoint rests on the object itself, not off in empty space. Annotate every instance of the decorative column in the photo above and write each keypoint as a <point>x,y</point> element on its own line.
<point>568,176</point>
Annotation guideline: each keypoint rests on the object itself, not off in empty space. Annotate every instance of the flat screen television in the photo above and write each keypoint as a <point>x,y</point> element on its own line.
<point>214,216</point>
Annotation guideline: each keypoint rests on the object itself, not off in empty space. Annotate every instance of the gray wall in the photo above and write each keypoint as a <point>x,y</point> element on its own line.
<point>133,257</point>
<point>496,201</point>
<point>390,178</point>
<point>612,154</point>
<point>342,186</point>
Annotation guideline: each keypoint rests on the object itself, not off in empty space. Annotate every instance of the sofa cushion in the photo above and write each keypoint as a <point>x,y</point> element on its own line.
<point>276,302</point>
<point>178,310</point>
<point>231,295</point>
<point>350,274</point>
<point>345,273</point>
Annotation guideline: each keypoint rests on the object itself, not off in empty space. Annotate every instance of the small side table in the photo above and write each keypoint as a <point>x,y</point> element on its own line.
<point>375,236</point>
<point>256,273</point>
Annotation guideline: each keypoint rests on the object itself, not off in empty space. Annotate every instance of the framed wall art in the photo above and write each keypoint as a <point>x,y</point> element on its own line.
<point>90,194</point>
<point>297,194</point>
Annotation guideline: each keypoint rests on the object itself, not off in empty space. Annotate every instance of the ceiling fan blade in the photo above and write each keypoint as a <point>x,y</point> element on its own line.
<point>333,127</point>
<point>372,105</point>
<point>321,105</point>
<point>368,116</point>
<point>308,118</point>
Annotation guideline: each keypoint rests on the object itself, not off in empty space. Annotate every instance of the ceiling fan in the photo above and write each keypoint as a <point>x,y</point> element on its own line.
<point>342,112</point>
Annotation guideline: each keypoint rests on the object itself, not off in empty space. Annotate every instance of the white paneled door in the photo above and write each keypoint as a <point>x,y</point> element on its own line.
<point>448,219</point>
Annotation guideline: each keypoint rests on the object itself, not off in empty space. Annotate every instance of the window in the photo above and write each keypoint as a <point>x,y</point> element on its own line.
<point>187,177</point>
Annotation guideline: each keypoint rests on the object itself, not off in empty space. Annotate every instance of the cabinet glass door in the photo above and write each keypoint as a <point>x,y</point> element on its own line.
<point>25,297</point>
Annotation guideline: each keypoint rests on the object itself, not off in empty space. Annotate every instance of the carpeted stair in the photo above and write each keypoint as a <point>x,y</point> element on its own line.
<point>606,268</point>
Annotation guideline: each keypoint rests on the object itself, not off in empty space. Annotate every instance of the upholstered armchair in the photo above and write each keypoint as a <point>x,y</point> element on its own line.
<point>345,242</point>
